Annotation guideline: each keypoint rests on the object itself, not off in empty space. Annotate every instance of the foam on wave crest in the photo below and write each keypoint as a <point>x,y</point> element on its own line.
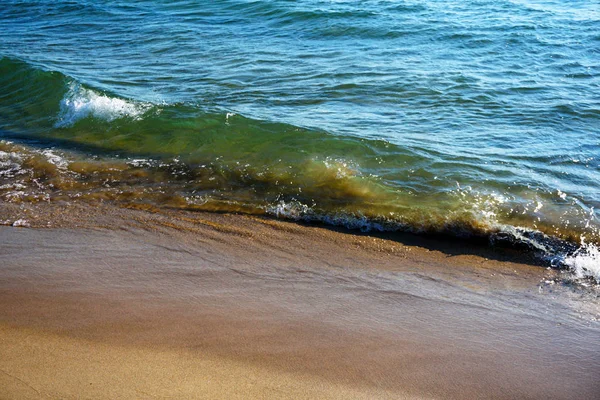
<point>80,103</point>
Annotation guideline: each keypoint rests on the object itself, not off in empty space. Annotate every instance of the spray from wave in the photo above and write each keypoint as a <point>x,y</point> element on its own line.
<point>585,261</point>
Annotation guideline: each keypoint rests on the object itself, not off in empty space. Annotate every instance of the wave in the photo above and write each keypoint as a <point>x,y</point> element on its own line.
<point>65,141</point>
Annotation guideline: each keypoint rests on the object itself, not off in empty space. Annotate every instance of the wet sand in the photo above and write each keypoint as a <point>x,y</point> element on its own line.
<point>116,303</point>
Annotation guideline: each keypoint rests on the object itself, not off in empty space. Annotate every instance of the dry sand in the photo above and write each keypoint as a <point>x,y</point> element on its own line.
<point>114,303</point>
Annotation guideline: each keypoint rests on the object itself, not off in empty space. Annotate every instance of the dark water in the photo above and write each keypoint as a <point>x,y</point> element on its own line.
<point>473,118</point>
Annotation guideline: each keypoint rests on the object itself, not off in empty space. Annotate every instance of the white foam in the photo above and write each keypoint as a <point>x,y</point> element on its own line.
<point>21,223</point>
<point>297,211</point>
<point>10,164</point>
<point>55,159</point>
<point>81,103</point>
<point>585,262</point>
<point>290,210</point>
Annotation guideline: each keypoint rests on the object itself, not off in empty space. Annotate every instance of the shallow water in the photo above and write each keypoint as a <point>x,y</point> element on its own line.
<point>470,118</point>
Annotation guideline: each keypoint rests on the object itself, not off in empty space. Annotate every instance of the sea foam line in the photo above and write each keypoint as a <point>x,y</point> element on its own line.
<point>583,263</point>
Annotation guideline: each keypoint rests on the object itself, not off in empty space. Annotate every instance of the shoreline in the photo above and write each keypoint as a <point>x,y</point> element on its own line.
<point>191,304</point>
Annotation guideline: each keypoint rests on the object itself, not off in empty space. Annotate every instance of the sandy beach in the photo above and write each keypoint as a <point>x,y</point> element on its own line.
<point>117,303</point>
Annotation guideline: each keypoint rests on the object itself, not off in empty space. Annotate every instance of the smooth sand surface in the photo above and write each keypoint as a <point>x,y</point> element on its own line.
<point>112,303</point>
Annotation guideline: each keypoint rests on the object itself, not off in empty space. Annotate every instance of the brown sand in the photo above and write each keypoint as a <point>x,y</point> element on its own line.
<point>112,303</point>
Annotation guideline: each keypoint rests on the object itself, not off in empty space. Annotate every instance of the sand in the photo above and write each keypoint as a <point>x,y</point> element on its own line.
<point>117,303</point>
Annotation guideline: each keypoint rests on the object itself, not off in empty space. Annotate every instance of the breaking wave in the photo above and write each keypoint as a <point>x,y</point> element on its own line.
<point>64,140</point>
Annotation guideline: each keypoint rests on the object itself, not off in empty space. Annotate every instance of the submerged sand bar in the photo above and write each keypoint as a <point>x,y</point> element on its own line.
<point>132,304</point>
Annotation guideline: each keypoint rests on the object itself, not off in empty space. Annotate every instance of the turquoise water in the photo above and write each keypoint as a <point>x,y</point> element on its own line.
<point>461,117</point>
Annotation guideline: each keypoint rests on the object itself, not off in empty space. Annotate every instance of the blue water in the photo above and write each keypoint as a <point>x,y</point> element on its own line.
<point>430,114</point>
